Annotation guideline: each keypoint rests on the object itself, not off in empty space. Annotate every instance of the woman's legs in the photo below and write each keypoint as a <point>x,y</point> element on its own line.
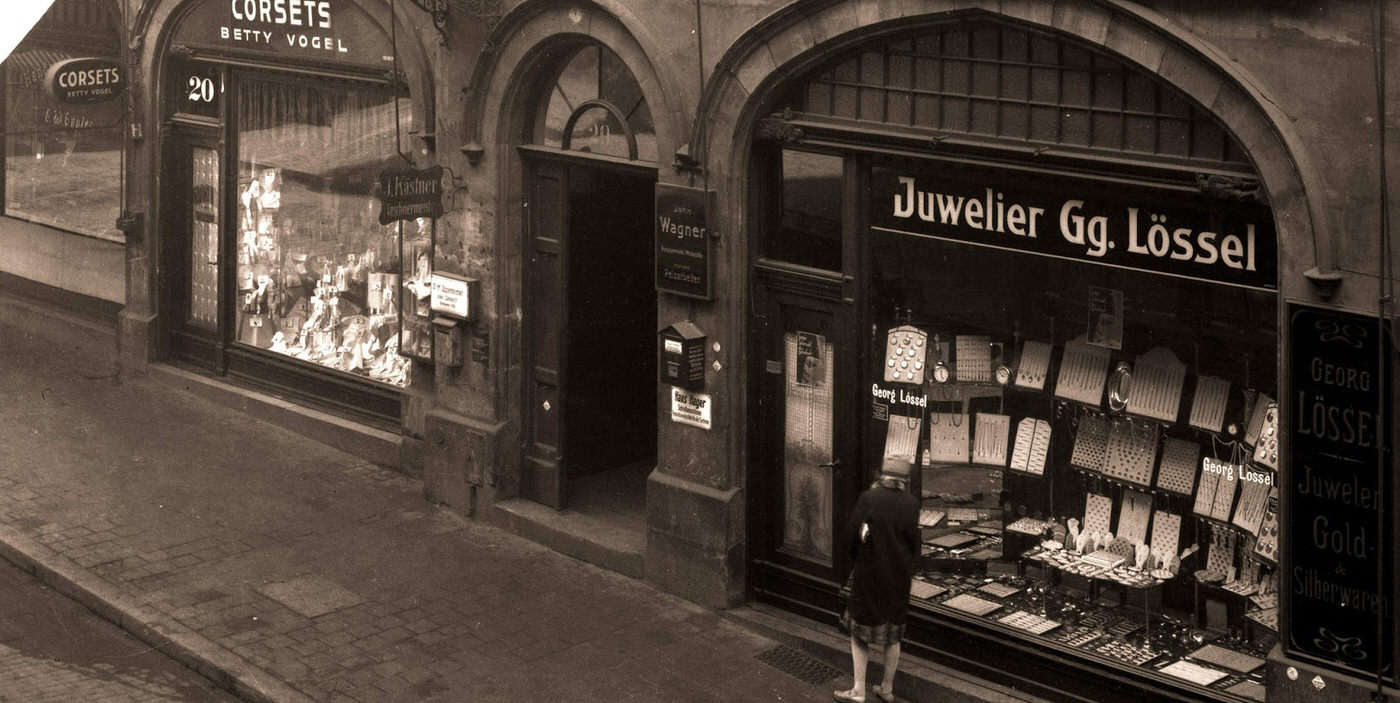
<point>860,659</point>
<point>891,664</point>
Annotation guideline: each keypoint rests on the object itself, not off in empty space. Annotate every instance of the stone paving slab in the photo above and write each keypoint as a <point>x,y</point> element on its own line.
<point>174,516</point>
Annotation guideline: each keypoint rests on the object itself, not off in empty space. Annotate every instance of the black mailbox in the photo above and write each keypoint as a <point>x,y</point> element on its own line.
<point>683,356</point>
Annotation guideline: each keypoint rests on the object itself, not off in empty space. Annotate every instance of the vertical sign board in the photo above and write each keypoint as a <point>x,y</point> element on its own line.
<point>683,250</point>
<point>1337,495</point>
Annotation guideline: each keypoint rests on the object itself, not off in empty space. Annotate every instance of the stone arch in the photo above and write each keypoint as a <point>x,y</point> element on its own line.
<point>501,95</point>
<point>518,42</point>
<point>792,41</point>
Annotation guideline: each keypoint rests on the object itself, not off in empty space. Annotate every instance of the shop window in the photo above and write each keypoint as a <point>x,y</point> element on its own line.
<point>1079,420</point>
<point>62,162</point>
<point>999,81</point>
<point>318,277</point>
<point>810,229</point>
<point>596,106</point>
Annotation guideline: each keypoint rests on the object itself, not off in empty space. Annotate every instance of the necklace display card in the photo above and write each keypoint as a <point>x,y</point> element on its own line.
<point>1208,407</point>
<point>902,438</point>
<point>989,442</point>
<point>1034,366</point>
<point>1224,502</point>
<point>1091,443</point>
<point>1157,380</point>
<point>1177,470</point>
<point>1133,516</point>
<point>1132,451</point>
<point>1205,490</point>
<point>1083,372</point>
<point>974,358</point>
<point>1254,502</point>
<point>949,435</point>
<point>1032,446</point>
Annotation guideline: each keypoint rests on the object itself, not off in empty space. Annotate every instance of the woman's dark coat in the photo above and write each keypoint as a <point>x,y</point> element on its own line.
<point>884,562</point>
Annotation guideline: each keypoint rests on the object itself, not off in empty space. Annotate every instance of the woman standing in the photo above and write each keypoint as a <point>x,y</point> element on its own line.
<point>883,538</point>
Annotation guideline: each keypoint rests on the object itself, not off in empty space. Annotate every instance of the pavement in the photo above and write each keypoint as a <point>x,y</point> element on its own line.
<point>285,570</point>
<point>53,650</point>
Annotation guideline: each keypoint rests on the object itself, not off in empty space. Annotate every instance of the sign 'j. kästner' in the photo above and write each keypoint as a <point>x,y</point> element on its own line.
<point>1180,234</point>
<point>407,194</point>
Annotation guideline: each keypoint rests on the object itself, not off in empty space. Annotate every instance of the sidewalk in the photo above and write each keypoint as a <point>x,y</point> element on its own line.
<point>288,571</point>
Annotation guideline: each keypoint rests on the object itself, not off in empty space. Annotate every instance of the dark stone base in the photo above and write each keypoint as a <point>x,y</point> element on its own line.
<point>695,541</point>
<point>459,459</point>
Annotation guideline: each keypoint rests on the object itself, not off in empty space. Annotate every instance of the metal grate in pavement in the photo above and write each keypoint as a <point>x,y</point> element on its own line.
<point>797,664</point>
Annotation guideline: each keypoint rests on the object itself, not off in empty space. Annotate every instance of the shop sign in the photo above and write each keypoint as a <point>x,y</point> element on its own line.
<point>683,249</point>
<point>452,295</point>
<point>690,408</point>
<point>1170,233</point>
<point>408,194</point>
<point>1337,496</point>
<point>326,30</point>
<point>84,81</point>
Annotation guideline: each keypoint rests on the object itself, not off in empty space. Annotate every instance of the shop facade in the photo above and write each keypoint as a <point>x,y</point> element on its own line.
<point>1082,263</point>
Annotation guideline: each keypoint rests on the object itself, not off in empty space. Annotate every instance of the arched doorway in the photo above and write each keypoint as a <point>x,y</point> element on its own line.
<point>588,405</point>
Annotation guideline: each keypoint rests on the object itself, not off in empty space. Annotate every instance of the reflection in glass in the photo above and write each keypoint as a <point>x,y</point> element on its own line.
<point>811,211</point>
<point>318,277</point>
<point>204,238</point>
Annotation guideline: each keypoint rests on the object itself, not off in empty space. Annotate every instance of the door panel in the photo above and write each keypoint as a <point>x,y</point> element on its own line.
<point>545,334</point>
<point>191,247</point>
<point>809,441</point>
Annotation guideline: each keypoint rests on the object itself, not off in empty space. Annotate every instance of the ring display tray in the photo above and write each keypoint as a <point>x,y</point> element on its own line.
<point>971,604</point>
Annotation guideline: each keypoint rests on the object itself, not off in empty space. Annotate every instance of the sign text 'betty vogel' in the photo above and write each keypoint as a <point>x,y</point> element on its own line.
<point>1166,232</point>
<point>323,30</point>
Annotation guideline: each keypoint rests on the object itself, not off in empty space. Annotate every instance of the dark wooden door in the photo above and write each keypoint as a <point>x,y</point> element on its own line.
<point>545,334</point>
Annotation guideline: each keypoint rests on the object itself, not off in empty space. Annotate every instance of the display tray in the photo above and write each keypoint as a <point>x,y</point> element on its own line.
<point>926,590</point>
<point>971,604</point>
<point>1195,673</point>
<point>1228,658</point>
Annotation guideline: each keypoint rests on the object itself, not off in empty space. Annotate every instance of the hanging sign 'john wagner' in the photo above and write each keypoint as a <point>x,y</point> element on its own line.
<point>1169,232</point>
<point>326,30</point>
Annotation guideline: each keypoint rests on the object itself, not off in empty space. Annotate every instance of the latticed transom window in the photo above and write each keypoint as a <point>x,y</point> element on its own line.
<point>999,81</point>
<point>595,105</point>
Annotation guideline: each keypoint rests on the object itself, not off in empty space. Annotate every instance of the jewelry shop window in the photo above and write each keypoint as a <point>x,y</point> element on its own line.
<point>62,160</point>
<point>318,278</point>
<point>1085,375</point>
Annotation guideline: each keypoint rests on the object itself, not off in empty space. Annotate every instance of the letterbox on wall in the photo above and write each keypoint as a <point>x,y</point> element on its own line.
<point>683,356</point>
<point>447,341</point>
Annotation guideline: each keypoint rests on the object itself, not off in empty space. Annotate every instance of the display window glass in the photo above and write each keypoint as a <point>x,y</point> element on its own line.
<point>809,231</point>
<point>1097,441</point>
<point>62,160</point>
<point>317,277</point>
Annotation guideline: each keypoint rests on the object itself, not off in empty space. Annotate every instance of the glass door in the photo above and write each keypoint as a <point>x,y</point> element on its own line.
<point>192,248</point>
<point>809,471</point>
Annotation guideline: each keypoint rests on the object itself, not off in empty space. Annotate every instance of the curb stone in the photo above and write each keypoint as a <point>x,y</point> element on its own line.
<point>225,669</point>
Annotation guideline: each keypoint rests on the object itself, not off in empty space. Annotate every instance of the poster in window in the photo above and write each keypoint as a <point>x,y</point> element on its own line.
<point>1106,317</point>
<point>811,365</point>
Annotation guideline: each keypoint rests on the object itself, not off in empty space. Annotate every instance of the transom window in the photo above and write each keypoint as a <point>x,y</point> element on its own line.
<point>999,81</point>
<point>596,105</point>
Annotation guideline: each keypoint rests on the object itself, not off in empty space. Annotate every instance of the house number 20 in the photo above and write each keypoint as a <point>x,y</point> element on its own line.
<point>201,90</point>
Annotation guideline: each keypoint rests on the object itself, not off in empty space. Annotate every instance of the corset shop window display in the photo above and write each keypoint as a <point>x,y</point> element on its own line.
<point>258,253</point>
